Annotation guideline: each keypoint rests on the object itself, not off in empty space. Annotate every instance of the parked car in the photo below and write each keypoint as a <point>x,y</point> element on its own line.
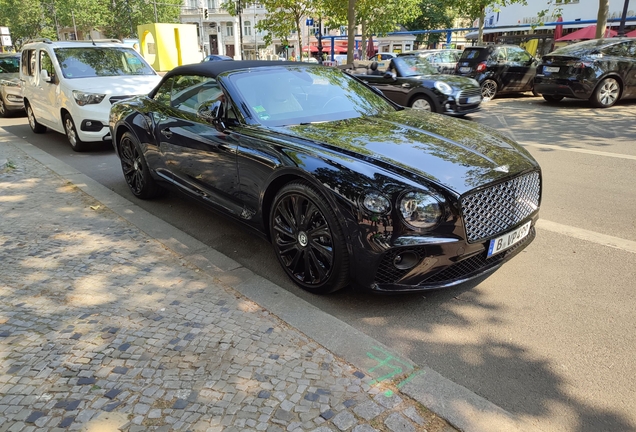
<point>70,86</point>
<point>10,88</point>
<point>600,70</point>
<point>444,60</point>
<point>217,57</point>
<point>412,81</point>
<point>498,69</point>
<point>347,186</point>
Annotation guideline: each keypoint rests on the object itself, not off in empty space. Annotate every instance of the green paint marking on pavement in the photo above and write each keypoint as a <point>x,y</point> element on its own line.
<point>388,393</point>
<point>410,377</point>
<point>387,361</point>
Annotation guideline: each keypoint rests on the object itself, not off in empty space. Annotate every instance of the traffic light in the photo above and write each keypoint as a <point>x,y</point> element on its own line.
<point>205,13</point>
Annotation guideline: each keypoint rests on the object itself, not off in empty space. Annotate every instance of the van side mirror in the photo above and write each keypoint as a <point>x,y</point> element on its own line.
<point>44,75</point>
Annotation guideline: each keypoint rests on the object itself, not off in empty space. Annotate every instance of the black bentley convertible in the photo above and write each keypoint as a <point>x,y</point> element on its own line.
<point>348,187</point>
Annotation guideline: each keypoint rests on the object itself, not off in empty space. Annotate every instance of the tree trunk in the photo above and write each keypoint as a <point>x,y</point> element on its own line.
<point>482,19</point>
<point>363,47</point>
<point>351,30</point>
<point>601,20</point>
<point>298,46</point>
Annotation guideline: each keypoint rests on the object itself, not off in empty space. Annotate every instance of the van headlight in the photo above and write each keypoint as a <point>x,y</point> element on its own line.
<point>83,98</point>
<point>421,210</point>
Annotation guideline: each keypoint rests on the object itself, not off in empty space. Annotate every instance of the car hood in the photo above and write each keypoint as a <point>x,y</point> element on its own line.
<point>458,154</point>
<point>115,85</point>
<point>14,77</point>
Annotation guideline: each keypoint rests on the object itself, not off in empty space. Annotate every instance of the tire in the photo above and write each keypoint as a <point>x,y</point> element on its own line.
<point>35,126</point>
<point>135,169</point>
<point>488,90</point>
<point>71,134</point>
<point>552,99</point>
<point>422,103</point>
<point>3,109</point>
<point>606,93</point>
<point>308,239</point>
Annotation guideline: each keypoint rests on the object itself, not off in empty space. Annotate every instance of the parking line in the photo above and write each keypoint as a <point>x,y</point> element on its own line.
<point>591,236</point>
<point>580,150</point>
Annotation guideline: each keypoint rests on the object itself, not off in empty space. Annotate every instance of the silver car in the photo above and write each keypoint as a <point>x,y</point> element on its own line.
<point>10,90</point>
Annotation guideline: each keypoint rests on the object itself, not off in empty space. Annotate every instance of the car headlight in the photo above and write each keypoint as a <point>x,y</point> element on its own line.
<point>421,210</point>
<point>376,203</point>
<point>443,87</point>
<point>10,83</point>
<point>83,98</point>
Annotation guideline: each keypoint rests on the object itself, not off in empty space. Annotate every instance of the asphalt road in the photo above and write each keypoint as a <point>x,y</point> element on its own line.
<point>551,336</point>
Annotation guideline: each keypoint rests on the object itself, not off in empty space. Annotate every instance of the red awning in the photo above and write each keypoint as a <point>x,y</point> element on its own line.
<point>585,33</point>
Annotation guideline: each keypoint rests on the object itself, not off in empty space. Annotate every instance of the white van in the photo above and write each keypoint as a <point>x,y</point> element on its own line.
<point>70,86</point>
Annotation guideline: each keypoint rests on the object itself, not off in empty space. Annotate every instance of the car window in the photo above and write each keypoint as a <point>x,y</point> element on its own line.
<point>631,50</point>
<point>28,62</point>
<point>162,95</point>
<point>413,66</point>
<point>518,55</point>
<point>190,91</point>
<point>471,54</point>
<point>292,96</point>
<point>618,50</point>
<point>46,63</point>
<point>85,62</point>
<point>446,57</point>
<point>9,64</point>
<point>433,58</point>
<point>499,54</point>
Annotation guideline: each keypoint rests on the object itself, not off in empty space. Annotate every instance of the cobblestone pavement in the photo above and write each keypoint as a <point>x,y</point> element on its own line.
<point>102,328</point>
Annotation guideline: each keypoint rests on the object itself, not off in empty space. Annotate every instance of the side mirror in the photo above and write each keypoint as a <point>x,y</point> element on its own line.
<point>211,112</point>
<point>44,75</point>
<point>390,75</point>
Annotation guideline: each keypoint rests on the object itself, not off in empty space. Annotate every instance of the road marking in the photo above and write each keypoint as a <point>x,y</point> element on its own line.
<point>583,234</point>
<point>580,150</point>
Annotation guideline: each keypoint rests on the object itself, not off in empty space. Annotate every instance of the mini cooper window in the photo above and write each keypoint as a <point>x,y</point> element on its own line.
<point>414,66</point>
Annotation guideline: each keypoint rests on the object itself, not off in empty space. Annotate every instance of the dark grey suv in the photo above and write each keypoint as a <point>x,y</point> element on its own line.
<point>498,69</point>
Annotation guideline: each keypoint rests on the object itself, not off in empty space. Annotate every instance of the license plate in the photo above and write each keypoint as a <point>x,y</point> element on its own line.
<point>464,69</point>
<point>473,99</point>
<point>508,240</point>
<point>550,69</point>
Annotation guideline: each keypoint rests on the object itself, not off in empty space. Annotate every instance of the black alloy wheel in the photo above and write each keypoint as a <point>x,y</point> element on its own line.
<point>552,99</point>
<point>308,239</point>
<point>71,134</point>
<point>35,126</point>
<point>488,90</point>
<point>135,169</point>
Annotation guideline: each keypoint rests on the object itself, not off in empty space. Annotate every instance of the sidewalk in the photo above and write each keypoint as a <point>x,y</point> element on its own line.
<point>110,319</point>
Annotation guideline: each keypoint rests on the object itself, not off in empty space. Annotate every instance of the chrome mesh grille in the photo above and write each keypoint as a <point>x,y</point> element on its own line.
<point>462,97</point>
<point>492,211</point>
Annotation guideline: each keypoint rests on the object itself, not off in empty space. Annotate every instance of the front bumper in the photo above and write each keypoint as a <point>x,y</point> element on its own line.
<point>13,100</point>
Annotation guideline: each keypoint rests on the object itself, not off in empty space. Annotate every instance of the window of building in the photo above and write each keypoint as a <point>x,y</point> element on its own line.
<point>229,29</point>
<point>247,28</point>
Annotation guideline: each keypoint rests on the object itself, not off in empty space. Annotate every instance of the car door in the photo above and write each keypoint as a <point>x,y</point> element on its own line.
<point>201,158</point>
<point>522,69</point>
<point>621,58</point>
<point>630,77</point>
<point>499,68</point>
<point>46,103</point>
<point>392,86</point>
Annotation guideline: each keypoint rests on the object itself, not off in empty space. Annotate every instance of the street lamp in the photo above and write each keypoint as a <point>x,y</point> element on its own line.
<point>621,28</point>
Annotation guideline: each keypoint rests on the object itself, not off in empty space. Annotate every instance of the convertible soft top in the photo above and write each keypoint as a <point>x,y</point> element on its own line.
<point>213,68</point>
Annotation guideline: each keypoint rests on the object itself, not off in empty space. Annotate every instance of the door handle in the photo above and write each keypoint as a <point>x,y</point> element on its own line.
<point>166,132</point>
<point>406,85</point>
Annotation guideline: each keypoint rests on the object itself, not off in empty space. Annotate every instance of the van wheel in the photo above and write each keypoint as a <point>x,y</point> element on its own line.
<point>71,133</point>
<point>35,126</point>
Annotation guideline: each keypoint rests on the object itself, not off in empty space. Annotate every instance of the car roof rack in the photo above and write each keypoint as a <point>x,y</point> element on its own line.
<point>45,40</point>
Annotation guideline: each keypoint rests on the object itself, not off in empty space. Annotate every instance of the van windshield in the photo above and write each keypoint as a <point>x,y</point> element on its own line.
<point>87,62</point>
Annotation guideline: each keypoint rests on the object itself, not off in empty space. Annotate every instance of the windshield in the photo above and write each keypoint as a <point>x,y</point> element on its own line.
<point>9,64</point>
<point>414,66</point>
<point>292,95</point>
<point>582,48</point>
<point>87,62</point>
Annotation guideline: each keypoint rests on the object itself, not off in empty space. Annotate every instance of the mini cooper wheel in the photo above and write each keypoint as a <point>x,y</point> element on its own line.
<point>35,126</point>
<point>422,103</point>
<point>71,134</point>
<point>135,168</point>
<point>606,93</point>
<point>552,99</point>
<point>488,90</point>
<point>308,240</point>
